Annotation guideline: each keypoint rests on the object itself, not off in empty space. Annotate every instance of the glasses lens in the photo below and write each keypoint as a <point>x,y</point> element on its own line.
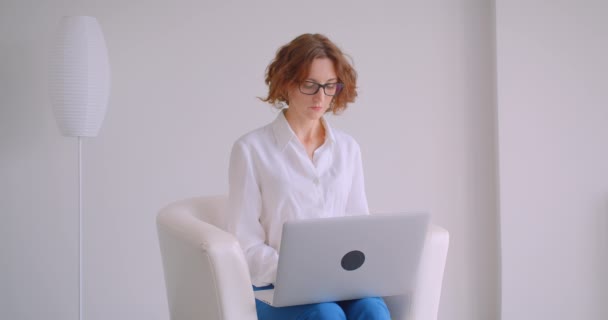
<point>331,89</point>
<point>309,87</point>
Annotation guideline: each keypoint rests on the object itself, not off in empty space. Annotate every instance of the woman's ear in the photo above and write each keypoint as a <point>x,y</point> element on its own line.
<point>285,95</point>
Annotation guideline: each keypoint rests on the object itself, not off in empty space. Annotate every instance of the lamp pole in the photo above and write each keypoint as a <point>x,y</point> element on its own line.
<point>80,251</point>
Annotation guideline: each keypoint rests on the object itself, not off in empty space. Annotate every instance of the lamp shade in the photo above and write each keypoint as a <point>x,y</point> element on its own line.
<point>79,76</point>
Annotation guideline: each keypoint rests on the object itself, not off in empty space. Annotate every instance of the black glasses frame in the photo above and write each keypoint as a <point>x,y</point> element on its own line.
<point>338,85</point>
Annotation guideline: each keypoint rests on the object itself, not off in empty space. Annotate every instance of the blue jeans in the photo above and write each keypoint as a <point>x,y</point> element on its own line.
<point>360,309</point>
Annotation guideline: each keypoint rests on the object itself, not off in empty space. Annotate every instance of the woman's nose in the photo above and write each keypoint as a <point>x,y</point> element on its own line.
<point>319,96</point>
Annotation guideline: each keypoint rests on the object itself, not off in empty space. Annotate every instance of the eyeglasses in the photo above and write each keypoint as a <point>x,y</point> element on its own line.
<point>330,89</point>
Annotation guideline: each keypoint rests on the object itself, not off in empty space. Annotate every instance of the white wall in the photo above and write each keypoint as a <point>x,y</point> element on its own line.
<point>185,78</point>
<point>553,130</point>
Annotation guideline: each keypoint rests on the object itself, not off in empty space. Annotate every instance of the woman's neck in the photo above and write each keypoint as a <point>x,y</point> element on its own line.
<point>311,133</point>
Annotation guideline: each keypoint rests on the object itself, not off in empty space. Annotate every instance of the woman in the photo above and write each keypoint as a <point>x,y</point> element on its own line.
<point>298,167</point>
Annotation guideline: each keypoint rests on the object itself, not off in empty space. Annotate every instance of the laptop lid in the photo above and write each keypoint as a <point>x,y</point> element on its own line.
<point>342,258</point>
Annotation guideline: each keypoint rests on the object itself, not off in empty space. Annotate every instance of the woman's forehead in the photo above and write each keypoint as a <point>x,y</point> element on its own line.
<point>321,70</point>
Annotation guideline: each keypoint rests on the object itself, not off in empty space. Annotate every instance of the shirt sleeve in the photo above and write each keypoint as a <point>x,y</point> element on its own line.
<point>243,216</point>
<point>357,199</point>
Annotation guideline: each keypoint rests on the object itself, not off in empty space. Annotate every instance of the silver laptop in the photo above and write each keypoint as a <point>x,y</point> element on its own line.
<point>343,258</point>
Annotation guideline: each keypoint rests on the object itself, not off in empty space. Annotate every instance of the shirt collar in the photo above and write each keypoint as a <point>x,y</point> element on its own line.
<point>283,132</point>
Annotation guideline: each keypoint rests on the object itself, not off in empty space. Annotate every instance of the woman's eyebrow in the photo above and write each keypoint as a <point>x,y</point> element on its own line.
<point>315,81</point>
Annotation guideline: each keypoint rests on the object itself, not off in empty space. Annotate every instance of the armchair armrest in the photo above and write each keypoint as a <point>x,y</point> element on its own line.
<point>205,271</point>
<point>424,303</point>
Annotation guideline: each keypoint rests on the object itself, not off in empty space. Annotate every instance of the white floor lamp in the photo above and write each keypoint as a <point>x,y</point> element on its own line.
<point>79,83</point>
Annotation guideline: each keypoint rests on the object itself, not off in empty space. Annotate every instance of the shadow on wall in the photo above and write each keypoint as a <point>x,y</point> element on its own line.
<point>602,249</point>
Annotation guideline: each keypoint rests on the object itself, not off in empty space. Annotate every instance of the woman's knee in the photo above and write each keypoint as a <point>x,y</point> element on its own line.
<point>323,311</point>
<point>367,308</point>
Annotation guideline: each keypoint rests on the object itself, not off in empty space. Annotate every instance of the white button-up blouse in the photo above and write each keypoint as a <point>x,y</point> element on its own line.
<point>272,180</point>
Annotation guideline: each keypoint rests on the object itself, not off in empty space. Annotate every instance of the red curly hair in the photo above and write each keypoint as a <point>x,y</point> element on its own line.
<point>292,63</point>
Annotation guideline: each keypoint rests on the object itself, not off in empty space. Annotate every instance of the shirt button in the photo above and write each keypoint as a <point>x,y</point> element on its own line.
<point>316,181</point>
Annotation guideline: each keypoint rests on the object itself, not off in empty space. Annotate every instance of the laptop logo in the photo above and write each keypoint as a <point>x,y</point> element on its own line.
<point>353,260</point>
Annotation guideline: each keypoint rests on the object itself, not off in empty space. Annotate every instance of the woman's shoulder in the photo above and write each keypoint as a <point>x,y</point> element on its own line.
<point>255,137</point>
<point>345,139</point>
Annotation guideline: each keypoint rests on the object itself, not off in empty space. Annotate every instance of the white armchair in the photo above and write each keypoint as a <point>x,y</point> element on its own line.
<point>206,274</point>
